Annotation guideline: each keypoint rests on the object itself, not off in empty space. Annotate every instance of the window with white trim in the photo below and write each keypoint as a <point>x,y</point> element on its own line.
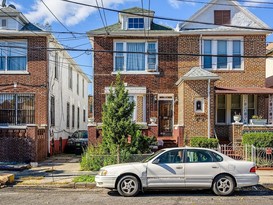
<point>13,55</point>
<point>135,23</point>
<point>135,56</point>
<point>222,54</point>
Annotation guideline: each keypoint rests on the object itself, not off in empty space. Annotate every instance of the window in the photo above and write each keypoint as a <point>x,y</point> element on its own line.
<point>251,106</point>
<point>84,115</point>
<point>221,17</point>
<point>199,105</point>
<point>68,115</point>
<point>221,109</point>
<point>13,56</point>
<point>17,109</point>
<point>56,65</point>
<point>52,111</point>
<point>78,118</point>
<point>174,156</point>
<point>222,54</point>
<point>78,86</point>
<point>235,105</point>
<point>4,23</point>
<point>132,99</point>
<point>133,57</point>
<point>70,77</point>
<point>73,116</point>
<point>135,23</point>
<point>198,156</point>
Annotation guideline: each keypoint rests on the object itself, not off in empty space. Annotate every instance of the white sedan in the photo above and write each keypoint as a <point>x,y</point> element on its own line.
<point>178,168</point>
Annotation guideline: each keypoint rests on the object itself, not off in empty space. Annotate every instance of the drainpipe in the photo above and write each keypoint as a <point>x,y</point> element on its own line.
<point>208,108</point>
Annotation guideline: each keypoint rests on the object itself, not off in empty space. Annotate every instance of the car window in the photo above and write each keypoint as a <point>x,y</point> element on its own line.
<point>198,156</point>
<point>217,157</point>
<point>173,156</point>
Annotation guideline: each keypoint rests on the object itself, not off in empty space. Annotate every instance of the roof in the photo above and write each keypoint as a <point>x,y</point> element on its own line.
<point>116,28</point>
<point>197,73</point>
<point>269,48</point>
<point>243,90</point>
<point>137,10</point>
<point>31,27</point>
<point>241,17</point>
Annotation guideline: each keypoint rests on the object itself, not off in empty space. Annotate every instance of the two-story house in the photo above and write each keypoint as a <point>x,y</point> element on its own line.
<point>38,82</point>
<point>192,80</point>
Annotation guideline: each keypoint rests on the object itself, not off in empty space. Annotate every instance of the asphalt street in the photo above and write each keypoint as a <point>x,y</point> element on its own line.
<point>41,196</point>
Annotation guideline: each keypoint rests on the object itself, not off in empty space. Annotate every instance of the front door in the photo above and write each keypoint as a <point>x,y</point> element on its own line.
<point>165,117</point>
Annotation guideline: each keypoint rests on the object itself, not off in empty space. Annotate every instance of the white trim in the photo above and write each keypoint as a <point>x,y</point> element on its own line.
<point>165,97</point>
<point>202,100</point>
<point>214,50</point>
<point>14,72</point>
<point>131,90</point>
<point>135,73</point>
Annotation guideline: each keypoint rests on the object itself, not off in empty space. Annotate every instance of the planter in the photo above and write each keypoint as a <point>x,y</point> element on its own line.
<point>153,120</point>
<point>237,118</point>
<point>258,121</point>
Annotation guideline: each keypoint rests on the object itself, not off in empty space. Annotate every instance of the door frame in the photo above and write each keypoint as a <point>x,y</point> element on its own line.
<point>165,97</point>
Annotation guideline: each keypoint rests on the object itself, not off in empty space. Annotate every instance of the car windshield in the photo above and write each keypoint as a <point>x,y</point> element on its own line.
<point>153,155</point>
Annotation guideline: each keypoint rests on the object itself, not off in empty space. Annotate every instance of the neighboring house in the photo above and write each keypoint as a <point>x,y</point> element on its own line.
<point>269,65</point>
<point>210,74</point>
<point>34,90</point>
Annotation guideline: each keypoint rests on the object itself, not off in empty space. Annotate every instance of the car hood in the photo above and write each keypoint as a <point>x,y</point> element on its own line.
<point>136,167</point>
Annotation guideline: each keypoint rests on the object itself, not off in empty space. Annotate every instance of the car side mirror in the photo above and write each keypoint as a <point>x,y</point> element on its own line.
<point>156,161</point>
<point>69,137</point>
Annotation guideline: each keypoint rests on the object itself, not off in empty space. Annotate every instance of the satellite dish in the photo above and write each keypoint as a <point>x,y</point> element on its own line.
<point>12,6</point>
<point>4,3</point>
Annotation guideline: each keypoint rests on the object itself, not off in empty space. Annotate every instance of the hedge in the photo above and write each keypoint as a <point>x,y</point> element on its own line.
<point>258,139</point>
<point>204,142</point>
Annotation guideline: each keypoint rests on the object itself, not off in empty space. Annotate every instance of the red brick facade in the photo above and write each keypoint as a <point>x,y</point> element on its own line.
<point>34,82</point>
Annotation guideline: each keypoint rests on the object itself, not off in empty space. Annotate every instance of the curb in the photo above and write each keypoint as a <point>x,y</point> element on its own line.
<point>71,185</point>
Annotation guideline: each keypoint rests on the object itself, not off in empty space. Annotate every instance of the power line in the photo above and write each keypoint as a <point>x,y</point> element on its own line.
<point>57,18</point>
<point>168,18</point>
<point>104,13</point>
<point>101,17</point>
<point>222,4</point>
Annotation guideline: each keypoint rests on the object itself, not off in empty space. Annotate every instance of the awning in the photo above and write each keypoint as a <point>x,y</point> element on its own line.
<point>243,90</point>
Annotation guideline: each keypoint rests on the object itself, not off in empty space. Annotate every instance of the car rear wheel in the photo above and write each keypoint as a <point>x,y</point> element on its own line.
<point>223,185</point>
<point>128,186</point>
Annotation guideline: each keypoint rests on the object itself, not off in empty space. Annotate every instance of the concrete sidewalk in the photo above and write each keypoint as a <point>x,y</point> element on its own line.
<point>60,170</point>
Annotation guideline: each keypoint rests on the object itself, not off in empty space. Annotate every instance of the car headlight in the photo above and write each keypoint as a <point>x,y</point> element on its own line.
<point>102,172</point>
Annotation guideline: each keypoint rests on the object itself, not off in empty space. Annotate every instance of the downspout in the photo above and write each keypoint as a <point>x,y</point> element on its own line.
<point>209,108</point>
<point>48,99</point>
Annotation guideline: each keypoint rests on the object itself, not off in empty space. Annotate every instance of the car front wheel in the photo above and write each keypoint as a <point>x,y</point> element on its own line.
<point>223,185</point>
<point>128,186</point>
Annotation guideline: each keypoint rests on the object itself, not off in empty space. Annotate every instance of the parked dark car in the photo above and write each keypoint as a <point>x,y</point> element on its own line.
<point>77,142</point>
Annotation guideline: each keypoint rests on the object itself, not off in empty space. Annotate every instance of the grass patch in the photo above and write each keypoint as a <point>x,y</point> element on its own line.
<point>84,178</point>
<point>31,178</point>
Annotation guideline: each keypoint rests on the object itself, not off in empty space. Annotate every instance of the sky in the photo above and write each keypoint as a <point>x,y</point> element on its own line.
<point>81,19</point>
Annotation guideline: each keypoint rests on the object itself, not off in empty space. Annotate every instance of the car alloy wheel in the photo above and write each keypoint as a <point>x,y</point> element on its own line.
<point>223,185</point>
<point>128,186</point>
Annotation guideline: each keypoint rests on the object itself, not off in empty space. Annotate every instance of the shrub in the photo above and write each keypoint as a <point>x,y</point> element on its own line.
<point>258,139</point>
<point>204,142</point>
<point>94,158</point>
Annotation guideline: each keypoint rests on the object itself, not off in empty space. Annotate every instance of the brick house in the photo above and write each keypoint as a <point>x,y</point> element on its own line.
<point>203,73</point>
<point>34,90</point>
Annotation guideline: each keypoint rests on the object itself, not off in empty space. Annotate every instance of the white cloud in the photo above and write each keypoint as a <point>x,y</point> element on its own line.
<point>68,13</point>
<point>249,3</point>
<point>176,3</point>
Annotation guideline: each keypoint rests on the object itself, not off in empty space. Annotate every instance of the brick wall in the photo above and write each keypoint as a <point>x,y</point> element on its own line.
<point>34,82</point>
<point>162,83</point>
<point>23,145</point>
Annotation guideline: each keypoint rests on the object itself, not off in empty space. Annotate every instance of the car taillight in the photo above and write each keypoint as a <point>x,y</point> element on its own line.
<point>252,170</point>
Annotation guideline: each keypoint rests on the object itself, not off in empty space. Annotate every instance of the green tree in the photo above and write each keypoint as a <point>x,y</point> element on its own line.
<point>117,122</point>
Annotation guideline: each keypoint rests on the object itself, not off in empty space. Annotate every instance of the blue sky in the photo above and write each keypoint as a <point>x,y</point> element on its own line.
<point>81,19</point>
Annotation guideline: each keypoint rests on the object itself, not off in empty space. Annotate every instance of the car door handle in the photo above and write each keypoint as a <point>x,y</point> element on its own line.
<point>179,167</point>
<point>215,167</point>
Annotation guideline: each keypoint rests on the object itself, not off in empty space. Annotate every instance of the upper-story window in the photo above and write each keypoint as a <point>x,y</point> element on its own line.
<point>13,56</point>
<point>221,17</point>
<point>135,23</point>
<point>135,56</point>
<point>56,65</point>
<point>70,79</point>
<point>222,54</point>
<point>4,23</point>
